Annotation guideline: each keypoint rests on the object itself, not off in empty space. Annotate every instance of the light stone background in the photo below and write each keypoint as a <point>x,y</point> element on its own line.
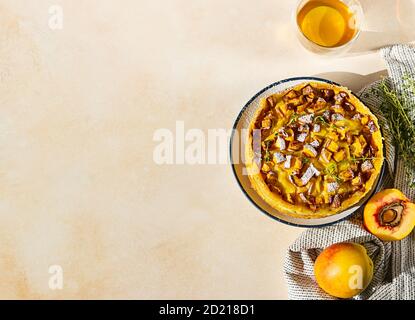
<point>79,106</point>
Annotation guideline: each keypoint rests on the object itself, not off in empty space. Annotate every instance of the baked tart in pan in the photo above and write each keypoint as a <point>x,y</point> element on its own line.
<point>313,150</point>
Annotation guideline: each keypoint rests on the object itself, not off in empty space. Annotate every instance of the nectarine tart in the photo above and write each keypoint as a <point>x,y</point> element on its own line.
<point>313,150</point>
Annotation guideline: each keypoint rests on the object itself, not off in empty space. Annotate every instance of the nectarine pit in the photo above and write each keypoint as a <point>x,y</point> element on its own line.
<point>390,215</point>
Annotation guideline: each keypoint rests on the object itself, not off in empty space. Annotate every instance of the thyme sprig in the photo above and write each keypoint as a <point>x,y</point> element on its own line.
<point>321,120</point>
<point>305,160</point>
<point>363,159</point>
<point>267,156</point>
<point>398,107</point>
<point>331,171</point>
<point>293,118</point>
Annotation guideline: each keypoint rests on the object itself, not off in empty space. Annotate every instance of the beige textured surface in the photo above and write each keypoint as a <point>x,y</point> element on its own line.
<point>78,186</point>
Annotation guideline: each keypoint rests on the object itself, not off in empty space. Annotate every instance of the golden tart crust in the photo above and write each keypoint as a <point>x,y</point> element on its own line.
<point>313,150</point>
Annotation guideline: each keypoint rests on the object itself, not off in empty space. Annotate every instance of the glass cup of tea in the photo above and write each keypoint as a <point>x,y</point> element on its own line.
<point>328,26</point>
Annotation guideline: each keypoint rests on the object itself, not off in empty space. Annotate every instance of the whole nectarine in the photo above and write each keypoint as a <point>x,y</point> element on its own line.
<point>389,215</point>
<point>343,270</point>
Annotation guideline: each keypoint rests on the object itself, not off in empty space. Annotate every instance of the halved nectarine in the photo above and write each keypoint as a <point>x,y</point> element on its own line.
<point>389,215</point>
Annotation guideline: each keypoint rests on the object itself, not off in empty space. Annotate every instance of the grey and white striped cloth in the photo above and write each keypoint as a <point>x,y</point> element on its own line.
<point>394,262</point>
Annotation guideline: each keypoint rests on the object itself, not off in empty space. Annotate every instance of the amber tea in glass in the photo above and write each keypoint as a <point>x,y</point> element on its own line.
<point>328,23</point>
